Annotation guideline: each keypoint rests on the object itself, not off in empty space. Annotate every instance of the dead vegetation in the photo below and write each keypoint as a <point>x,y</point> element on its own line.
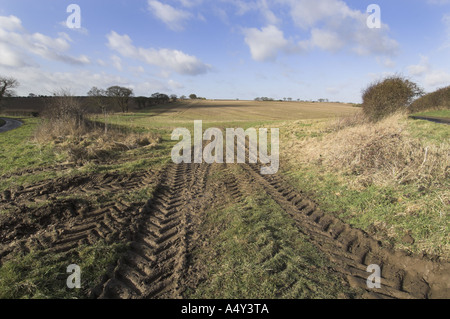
<point>381,153</point>
<point>66,126</point>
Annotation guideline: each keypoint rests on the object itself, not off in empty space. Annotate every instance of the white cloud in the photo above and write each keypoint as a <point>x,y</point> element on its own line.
<point>80,30</point>
<point>437,78</point>
<point>307,14</point>
<point>440,2</point>
<point>116,62</point>
<point>326,39</point>
<point>268,14</point>
<point>265,43</point>
<point>11,23</point>
<point>386,62</point>
<point>36,80</point>
<point>175,85</point>
<point>17,44</point>
<point>190,3</point>
<point>431,77</point>
<point>262,6</point>
<point>173,60</point>
<point>9,57</point>
<point>421,68</point>
<point>173,18</point>
<point>332,25</point>
<point>101,62</point>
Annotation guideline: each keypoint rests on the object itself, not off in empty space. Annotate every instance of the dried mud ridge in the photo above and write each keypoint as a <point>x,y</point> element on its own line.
<point>163,232</point>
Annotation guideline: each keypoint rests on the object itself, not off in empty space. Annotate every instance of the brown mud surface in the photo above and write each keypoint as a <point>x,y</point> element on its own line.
<point>163,232</point>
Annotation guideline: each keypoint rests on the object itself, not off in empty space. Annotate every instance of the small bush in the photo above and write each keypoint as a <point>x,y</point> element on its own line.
<point>388,96</point>
<point>96,146</point>
<point>63,116</point>
<point>437,100</point>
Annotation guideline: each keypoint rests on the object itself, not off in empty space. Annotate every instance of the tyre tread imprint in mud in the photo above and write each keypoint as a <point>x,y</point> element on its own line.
<point>156,263</point>
<point>353,250</point>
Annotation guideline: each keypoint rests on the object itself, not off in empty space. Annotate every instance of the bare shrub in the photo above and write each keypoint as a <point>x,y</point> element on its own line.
<point>64,116</point>
<point>355,119</point>
<point>388,96</point>
<point>96,146</point>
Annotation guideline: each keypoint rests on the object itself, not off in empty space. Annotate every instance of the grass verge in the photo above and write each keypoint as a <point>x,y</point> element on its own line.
<point>19,151</point>
<point>437,113</point>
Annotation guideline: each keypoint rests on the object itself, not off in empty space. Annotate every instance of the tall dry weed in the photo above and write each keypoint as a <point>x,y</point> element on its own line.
<point>379,153</point>
<point>67,127</point>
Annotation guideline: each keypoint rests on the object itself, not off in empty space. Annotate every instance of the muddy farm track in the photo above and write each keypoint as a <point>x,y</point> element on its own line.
<point>162,233</point>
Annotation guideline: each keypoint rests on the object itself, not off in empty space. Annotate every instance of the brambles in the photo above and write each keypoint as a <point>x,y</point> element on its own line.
<point>385,97</point>
<point>63,116</point>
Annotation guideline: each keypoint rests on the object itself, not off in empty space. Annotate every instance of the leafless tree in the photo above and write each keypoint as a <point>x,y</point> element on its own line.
<point>121,96</point>
<point>6,86</point>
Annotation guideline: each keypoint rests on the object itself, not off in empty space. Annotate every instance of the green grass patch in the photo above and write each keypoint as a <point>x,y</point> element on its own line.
<point>2,122</point>
<point>43,275</point>
<point>259,254</point>
<point>429,131</point>
<point>436,113</point>
<point>19,151</point>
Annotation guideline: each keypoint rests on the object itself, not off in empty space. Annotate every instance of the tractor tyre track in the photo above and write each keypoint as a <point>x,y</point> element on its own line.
<point>62,225</point>
<point>156,264</point>
<point>352,250</point>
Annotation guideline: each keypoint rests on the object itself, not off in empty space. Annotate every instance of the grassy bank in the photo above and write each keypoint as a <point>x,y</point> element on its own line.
<point>389,179</point>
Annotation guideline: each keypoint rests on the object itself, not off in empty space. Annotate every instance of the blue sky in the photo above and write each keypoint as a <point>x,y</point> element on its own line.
<point>228,49</point>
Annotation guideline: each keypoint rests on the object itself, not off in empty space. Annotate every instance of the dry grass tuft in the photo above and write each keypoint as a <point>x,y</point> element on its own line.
<point>96,146</point>
<point>66,127</point>
<point>381,153</point>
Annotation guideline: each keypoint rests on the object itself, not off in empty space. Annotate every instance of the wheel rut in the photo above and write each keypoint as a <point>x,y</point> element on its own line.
<point>156,264</point>
<point>352,250</point>
<point>163,232</point>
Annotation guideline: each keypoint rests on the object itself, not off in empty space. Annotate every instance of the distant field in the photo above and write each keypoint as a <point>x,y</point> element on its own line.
<point>231,113</point>
<point>253,111</point>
